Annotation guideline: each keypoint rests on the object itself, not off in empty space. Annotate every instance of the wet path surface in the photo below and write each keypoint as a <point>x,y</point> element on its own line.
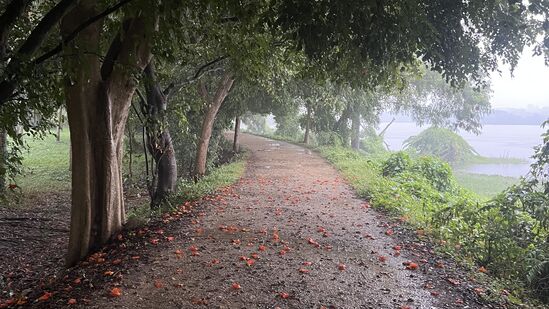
<point>290,234</point>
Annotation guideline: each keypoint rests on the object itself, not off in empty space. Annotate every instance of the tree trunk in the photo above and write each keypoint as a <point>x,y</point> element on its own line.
<point>307,125</point>
<point>98,101</point>
<point>130,154</point>
<point>213,105</point>
<point>236,134</point>
<point>159,141</point>
<point>59,124</point>
<point>355,134</point>
<point>3,157</point>
<point>342,126</point>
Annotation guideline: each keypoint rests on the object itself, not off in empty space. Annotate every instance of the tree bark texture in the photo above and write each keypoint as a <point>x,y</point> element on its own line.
<point>3,157</point>
<point>14,9</point>
<point>237,122</point>
<point>342,126</point>
<point>37,36</point>
<point>159,140</point>
<point>59,124</point>
<point>307,125</point>
<point>212,107</point>
<point>355,131</point>
<point>98,101</point>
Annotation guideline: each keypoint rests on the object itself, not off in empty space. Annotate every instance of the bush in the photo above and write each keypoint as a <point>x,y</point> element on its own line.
<point>507,235</point>
<point>441,143</point>
<point>396,164</point>
<point>438,173</point>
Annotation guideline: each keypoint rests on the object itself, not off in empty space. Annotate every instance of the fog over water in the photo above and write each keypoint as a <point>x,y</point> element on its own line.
<point>496,141</point>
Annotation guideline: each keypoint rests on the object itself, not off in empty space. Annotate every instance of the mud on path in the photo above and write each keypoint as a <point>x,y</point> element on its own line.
<point>289,234</point>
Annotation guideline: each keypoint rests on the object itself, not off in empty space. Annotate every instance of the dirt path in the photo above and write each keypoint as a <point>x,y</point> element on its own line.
<point>290,234</point>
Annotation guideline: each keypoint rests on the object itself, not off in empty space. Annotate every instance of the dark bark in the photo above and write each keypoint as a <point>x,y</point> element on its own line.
<point>130,153</point>
<point>236,134</point>
<point>342,126</point>
<point>355,131</point>
<point>307,125</point>
<point>10,82</point>
<point>13,10</point>
<point>3,155</point>
<point>71,36</point>
<point>212,107</point>
<point>159,141</point>
<point>97,110</point>
<point>59,124</point>
<point>30,45</point>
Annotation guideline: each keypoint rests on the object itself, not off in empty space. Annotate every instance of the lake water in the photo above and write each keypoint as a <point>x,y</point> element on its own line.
<point>496,141</point>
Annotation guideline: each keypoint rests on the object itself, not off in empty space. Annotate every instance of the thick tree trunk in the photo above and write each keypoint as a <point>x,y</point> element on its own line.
<point>236,134</point>
<point>213,105</point>
<point>159,141</point>
<point>3,157</point>
<point>355,134</point>
<point>98,100</point>
<point>307,125</point>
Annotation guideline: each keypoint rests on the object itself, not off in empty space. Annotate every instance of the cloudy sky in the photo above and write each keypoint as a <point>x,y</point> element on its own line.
<point>528,87</point>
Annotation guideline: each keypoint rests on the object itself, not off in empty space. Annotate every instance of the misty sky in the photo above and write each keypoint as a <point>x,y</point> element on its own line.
<point>529,86</point>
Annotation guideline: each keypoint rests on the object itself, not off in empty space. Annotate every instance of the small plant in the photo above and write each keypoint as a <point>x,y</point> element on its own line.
<point>439,173</point>
<point>396,164</point>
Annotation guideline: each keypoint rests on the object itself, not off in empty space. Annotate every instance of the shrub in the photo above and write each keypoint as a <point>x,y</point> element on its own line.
<point>396,164</point>
<point>441,143</point>
<point>507,235</point>
<point>438,173</point>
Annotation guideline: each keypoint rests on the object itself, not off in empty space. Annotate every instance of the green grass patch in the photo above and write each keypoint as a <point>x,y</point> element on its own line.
<point>491,160</point>
<point>188,190</point>
<point>486,186</point>
<point>46,164</point>
<point>220,177</point>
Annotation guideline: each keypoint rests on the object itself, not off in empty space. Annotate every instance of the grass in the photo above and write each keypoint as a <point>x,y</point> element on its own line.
<point>46,169</point>
<point>46,165</point>
<point>491,160</point>
<point>486,186</point>
<point>189,190</point>
<point>222,176</point>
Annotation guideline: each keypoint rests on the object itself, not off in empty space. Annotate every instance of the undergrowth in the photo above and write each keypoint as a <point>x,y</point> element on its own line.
<point>501,237</point>
<point>188,190</point>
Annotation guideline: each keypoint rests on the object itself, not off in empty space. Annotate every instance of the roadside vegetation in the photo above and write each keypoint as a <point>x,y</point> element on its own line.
<point>45,168</point>
<point>492,224</point>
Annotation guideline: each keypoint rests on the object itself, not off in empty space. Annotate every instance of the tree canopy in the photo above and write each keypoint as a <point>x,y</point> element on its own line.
<point>215,60</point>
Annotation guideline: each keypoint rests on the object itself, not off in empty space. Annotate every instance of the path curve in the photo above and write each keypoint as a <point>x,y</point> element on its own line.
<point>309,240</point>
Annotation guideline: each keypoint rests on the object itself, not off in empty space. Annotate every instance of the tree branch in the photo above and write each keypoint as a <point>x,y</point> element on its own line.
<point>197,74</point>
<point>110,58</point>
<point>13,10</point>
<point>38,34</point>
<point>203,91</point>
<point>78,29</point>
<point>201,71</point>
